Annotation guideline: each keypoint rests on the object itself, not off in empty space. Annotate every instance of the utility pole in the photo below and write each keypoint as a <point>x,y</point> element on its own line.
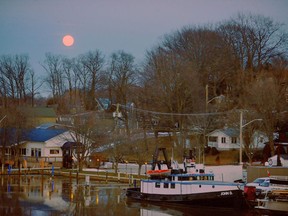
<point>2,168</point>
<point>241,133</point>
<point>206,99</point>
<point>241,137</point>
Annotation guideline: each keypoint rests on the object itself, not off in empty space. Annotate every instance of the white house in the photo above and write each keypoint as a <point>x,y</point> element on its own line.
<point>272,161</point>
<point>228,138</point>
<point>44,143</point>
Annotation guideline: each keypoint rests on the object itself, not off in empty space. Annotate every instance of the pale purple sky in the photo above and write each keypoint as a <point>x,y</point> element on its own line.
<point>35,27</point>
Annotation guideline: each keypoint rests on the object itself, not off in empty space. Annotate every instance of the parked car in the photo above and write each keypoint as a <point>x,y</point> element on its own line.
<point>258,181</point>
<point>263,188</point>
<point>262,185</point>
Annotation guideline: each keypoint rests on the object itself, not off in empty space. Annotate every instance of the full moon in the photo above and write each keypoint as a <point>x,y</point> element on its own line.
<point>68,40</point>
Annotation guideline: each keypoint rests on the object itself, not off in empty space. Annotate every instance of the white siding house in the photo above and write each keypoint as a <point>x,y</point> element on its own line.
<point>283,158</point>
<point>224,139</point>
<point>228,138</point>
<point>45,143</point>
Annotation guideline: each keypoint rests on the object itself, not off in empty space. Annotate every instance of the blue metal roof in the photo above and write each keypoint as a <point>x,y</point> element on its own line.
<point>42,135</point>
<point>34,135</point>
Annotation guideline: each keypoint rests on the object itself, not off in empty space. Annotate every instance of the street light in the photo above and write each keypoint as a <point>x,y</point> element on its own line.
<point>3,118</point>
<point>241,133</point>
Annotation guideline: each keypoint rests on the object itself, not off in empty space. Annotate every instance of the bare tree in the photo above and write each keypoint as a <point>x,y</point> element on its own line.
<point>13,72</point>
<point>122,77</point>
<point>83,134</point>
<point>55,78</point>
<point>255,39</point>
<point>265,97</point>
<point>34,86</point>
<point>140,152</point>
<point>91,64</point>
<point>67,67</point>
<point>174,87</point>
<point>118,150</point>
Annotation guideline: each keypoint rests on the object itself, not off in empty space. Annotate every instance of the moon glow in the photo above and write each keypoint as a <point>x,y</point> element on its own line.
<point>68,40</point>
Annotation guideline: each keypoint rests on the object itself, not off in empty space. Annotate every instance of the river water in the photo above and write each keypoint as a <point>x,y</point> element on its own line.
<point>44,195</point>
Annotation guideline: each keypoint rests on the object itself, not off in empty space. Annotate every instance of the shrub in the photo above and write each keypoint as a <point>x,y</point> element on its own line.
<point>207,149</point>
<point>214,151</point>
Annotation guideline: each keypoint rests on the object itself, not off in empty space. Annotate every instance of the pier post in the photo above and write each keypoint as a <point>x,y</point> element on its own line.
<point>134,183</point>
<point>52,171</point>
<point>87,180</point>
<point>42,184</point>
<point>9,169</point>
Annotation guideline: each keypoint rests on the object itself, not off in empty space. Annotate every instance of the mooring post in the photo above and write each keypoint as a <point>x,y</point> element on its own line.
<point>77,177</point>
<point>52,171</point>
<point>135,183</point>
<point>106,176</point>
<point>87,180</point>
<point>9,169</point>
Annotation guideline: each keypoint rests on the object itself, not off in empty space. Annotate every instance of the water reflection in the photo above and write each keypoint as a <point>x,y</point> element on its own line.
<point>43,195</point>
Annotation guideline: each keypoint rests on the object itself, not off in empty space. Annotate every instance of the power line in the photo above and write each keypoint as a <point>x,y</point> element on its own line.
<point>171,114</point>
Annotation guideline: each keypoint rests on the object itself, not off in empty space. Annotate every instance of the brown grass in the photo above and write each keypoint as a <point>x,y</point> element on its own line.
<point>224,157</point>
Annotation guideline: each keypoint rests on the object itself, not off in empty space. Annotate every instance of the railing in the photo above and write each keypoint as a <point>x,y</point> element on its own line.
<point>17,160</point>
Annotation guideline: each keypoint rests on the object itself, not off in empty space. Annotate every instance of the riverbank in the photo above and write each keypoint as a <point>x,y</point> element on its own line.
<point>126,173</point>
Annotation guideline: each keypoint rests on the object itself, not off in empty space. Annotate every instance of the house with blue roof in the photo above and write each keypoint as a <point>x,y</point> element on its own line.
<point>229,138</point>
<point>46,144</point>
<point>39,144</point>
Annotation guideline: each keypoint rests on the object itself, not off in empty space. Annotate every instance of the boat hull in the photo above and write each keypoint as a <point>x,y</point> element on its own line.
<point>224,198</point>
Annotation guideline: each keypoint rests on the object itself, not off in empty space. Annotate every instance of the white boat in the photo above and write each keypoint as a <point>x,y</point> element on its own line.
<point>276,205</point>
<point>276,200</point>
<point>188,185</point>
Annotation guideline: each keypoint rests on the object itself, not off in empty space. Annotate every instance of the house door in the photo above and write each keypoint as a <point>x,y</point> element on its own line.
<point>67,158</point>
<point>36,152</point>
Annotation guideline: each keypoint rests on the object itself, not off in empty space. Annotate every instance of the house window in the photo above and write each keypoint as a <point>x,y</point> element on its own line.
<point>7,151</point>
<point>213,139</point>
<point>166,185</point>
<point>234,140</point>
<point>157,184</point>
<point>22,151</point>
<point>36,152</point>
<point>223,139</point>
<point>54,151</point>
<point>172,185</point>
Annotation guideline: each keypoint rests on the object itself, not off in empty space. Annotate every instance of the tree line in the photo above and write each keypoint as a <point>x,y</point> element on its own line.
<point>243,59</point>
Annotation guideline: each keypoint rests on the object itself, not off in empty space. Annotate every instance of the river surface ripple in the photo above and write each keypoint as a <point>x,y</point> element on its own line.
<point>43,195</point>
